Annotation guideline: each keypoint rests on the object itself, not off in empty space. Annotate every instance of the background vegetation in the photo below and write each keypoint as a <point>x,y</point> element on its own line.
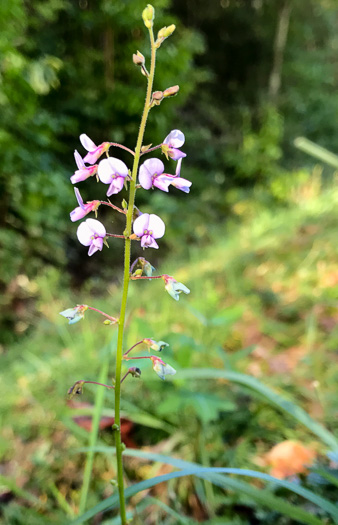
<point>255,242</point>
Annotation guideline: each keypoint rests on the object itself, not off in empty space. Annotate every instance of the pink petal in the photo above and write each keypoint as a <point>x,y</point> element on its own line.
<point>92,249</point>
<point>154,166</point>
<point>79,198</point>
<point>141,224</point>
<point>110,167</point>
<point>181,184</point>
<point>176,154</point>
<point>77,214</point>
<point>87,143</point>
<point>115,186</point>
<point>156,225</point>
<point>162,182</point>
<point>148,241</point>
<point>78,159</point>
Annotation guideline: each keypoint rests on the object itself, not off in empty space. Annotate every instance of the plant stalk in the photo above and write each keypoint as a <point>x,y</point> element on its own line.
<point>126,278</point>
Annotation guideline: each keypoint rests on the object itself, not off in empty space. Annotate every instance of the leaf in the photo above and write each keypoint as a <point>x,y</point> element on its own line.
<point>205,406</point>
<point>263,497</point>
<point>275,399</point>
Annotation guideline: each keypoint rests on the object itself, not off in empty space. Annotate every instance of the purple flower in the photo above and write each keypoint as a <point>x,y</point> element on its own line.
<point>94,152</point>
<point>112,171</point>
<point>178,181</point>
<point>83,209</point>
<point>171,143</point>
<point>150,174</point>
<point>83,171</point>
<point>91,233</point>
<point>148,228</point>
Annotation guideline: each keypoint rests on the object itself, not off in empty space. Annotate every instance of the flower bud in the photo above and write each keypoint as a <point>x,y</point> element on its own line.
<point>171,91</point>
<point>138,59</point>
<point>165,32</point>
<point>135,372</point>
<point>156,98</point>
<point>148,16</point>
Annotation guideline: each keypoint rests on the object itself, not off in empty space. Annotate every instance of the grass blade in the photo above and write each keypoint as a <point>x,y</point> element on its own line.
<point>275,399</point>
<point>263,497</point>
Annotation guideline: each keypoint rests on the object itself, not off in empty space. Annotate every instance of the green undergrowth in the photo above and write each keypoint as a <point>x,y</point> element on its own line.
<point>262,303</point>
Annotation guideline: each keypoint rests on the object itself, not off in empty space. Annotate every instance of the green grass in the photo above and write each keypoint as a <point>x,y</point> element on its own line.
<point>262,302</point>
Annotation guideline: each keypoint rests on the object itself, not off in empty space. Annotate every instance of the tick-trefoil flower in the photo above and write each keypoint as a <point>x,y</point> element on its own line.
<point>161,368</point>
<point>83,172</point>
<point>151,174</point>
<point>157,346</point>
<point>172,143</point>
<point>178,181</point>
<point>83,209</point>
<point>74,314</point>
<point>173,287</point>
<point>91,233</point>
<point>112,171</point>
<point>148,228</point>
<point>94,152</point>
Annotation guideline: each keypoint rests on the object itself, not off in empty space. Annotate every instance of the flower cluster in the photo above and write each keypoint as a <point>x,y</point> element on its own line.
<point>145,228</point>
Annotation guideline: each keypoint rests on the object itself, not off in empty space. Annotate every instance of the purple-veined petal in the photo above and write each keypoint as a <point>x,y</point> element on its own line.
<point>156,225</point>
<point>87,143</point>
<point>77,214</point>
<point>141,224</point>
<point>96,227</point>
<point>79,160</point>
<point>162,182</point>
<point>115,186</point>
<point>84,234</point>
<point>79,198</point>
<point>175,139</point>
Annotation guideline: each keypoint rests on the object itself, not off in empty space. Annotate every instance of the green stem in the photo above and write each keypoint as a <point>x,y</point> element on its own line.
<point>126,277</point>
<point>99,398</point>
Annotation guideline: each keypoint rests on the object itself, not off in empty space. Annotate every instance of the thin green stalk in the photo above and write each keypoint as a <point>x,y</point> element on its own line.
<point>126,277</point>
<point>99,398</point>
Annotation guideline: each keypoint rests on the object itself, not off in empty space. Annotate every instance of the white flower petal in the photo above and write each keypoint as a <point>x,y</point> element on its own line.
<point>156,225</point>
<point>175,139</point>
<point>96,227</point>
<point>87,143</point>
<point>141,224</point>
<point>84,233</point>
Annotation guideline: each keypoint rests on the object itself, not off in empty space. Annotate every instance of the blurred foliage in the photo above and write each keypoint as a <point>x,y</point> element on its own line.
<point>262,302</point>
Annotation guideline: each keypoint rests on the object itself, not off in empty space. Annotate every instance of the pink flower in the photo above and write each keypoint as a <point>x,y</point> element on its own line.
<point>94,152</point>
<point>148,228</point>
<point>178,181</point>
<point>83,209</point>
<point>150,174</point>
<point>172,143</point>
<point>91,233</point>
<point>83,171</point>
<point>112,171</point>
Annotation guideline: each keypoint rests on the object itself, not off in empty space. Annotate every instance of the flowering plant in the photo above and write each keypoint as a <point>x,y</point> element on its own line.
<point>145,228</point>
